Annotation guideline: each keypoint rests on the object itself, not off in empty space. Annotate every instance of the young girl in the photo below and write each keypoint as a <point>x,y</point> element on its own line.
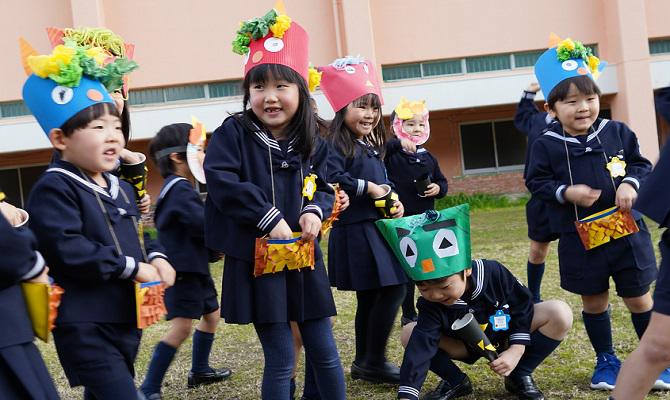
<point>265,170</point>
<point>583,165</point>
<point>85,220</point>
<point>414,172</point>
<point>358,257</point>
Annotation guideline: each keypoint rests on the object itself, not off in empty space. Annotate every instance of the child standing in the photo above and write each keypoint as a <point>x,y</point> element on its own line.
<point>530,121</point>
<point>583,165</point>
<point>180,221</point>
<point>415,173</point>
<point>22,370</point>
<point>85,221</point>
<point>265,170</point>
<point>358,257</point>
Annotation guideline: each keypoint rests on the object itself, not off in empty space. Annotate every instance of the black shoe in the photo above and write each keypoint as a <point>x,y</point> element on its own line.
<point>445,391</point>
<point>152,396</point>
<point>386,373</point>
<point>205,378</point>
<point>523,387</point>
<point>406,320</point>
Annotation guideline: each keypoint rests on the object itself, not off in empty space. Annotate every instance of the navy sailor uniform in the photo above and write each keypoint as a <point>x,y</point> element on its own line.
<point>531,122</point>
<point>491,288</point>
<point>95,335</point>
<point>180,221</point>
<point>22,370</point>
<point>253,182</point>
<point>403,168</point>
<point>358,256</point>
<point>629,260</point>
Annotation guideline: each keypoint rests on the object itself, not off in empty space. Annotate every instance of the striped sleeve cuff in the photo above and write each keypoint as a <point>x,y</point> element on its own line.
<point>129,269</point>
<point>634,182</point>
<point>408,392</point>
<point>522,338</point>
<point>314,209</point>
<point>361,188</point>
<point>559,193</point>
<point>37,268</point>
<point>156,254</point>
<point>270,219</point>
<point>528,95</point>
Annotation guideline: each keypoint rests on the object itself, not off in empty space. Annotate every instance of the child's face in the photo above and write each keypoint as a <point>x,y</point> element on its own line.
<point>414,126</point>
<point>361,119</point>
<point>96,147</point>
<point>577,112</point>
<point>274,102</point>
<point>446,292</point>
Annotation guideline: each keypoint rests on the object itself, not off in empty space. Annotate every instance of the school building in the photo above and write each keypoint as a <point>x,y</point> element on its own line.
<point>470,60</point>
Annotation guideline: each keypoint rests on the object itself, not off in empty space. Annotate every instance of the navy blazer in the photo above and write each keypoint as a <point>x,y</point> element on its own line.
<point>244,202</point>
<point>180,222</point>
<point>403,168</point>
<point>19,262</point>
<point>548,173</point>
<point>492,287</point>
<point>530,121</point>
<point>75,238</point>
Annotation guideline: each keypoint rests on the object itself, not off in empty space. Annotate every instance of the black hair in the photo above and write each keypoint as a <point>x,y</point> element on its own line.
<point>438,281</point>
<point>84,117</point>
<point>125,121</point>
<point>584,84</point>
<point>343,137</point>
<point>174,135</point>
<point>303,125</point>
<point>322,125</point>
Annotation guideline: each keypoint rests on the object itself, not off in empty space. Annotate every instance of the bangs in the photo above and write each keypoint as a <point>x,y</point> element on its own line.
<point>369,99</point>
<point>584,85</point>
<point>267,72</point>
<point>85,116</point>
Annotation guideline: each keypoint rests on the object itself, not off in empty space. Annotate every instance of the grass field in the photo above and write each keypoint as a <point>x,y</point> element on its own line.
<point>498,234</point>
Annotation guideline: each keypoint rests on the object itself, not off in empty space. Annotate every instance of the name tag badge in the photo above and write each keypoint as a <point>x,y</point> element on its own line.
<point>499,321</point>
<point>617,167</point>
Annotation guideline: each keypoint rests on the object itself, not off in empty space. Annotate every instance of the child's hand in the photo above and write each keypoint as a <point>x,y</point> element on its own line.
<point>408,146</point>
<point>582,195</point>
<point>144,204</point>
<point>343,198</point>
<point>625,196</point>
<point>281,231</point>
<point>11,213</point>
<point>165,270</point>
<point>310,224</point>
<point>399,209</point>
<point>130,157</point>
<point>42,277</point>
<point>432,190</point>
<point>533,87</point>
<point>147,273</point>
<point>117,96</point>
<point>376,191</point>
<point>508,359</point>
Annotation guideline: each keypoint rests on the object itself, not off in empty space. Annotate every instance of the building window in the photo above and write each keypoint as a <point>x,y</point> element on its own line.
<point>225,89</point>
<point>400,72</point>
<point>492,146</point>
<point>659,46</point>
<point>17,183</point>
<point>526,59</point>
<point>13,109</point>
<point>488,63</point>
<point>438,68</point>
<point>188,92</point>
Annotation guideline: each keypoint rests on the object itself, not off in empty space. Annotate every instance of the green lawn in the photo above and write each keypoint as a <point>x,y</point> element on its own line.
<point>498,234</point>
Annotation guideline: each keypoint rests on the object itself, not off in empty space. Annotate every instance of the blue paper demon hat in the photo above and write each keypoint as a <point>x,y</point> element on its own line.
<point>565,59</point>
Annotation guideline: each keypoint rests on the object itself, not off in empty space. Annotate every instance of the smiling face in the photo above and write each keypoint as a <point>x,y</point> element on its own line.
<point>361,118</point>
<point>415,126</point>
<point>275,103</point>
<point>577,111</point>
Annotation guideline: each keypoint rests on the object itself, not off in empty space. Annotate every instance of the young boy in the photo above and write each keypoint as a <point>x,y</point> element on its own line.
<point>434,251</point>
<point>581,166</point>
<point>180,220</point>
<point>531,122</point>
<point>85,221</point>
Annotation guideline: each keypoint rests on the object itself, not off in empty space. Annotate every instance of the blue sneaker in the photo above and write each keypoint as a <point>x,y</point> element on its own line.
<point>605,372</point>
<point>663,381</point>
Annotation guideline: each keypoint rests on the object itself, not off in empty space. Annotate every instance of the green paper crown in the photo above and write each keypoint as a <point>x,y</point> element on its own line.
<point>431,245</point>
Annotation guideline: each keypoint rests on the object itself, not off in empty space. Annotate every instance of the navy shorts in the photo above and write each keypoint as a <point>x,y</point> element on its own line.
<point>537,218</point>
<point>192,296</point>
<point>629,260</point>
<point>662,293</point>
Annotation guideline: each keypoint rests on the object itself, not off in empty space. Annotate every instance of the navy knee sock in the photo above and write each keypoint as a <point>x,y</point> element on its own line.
<point>444,367</point>
<point>292,388</point>
<point>202,346</point>
<point>599,329</point>
<point>540,348</point>
<point>160,362</point>
<point>535,273</point>
<point>640,322</point>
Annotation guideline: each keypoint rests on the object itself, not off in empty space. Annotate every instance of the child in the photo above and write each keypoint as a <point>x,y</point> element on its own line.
<point>358,258</point>
<point>583,165</point>
<point>86,222</point>
<point>180,221</point>
<point>531,122</point>
<point>415,173</point>
<point>22,371</point>
<point>451,286</point>
<point>265,170</point>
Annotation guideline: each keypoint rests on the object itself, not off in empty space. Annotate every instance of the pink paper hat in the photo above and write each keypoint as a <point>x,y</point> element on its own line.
<point>290,51</point>
<point>347,79</point>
